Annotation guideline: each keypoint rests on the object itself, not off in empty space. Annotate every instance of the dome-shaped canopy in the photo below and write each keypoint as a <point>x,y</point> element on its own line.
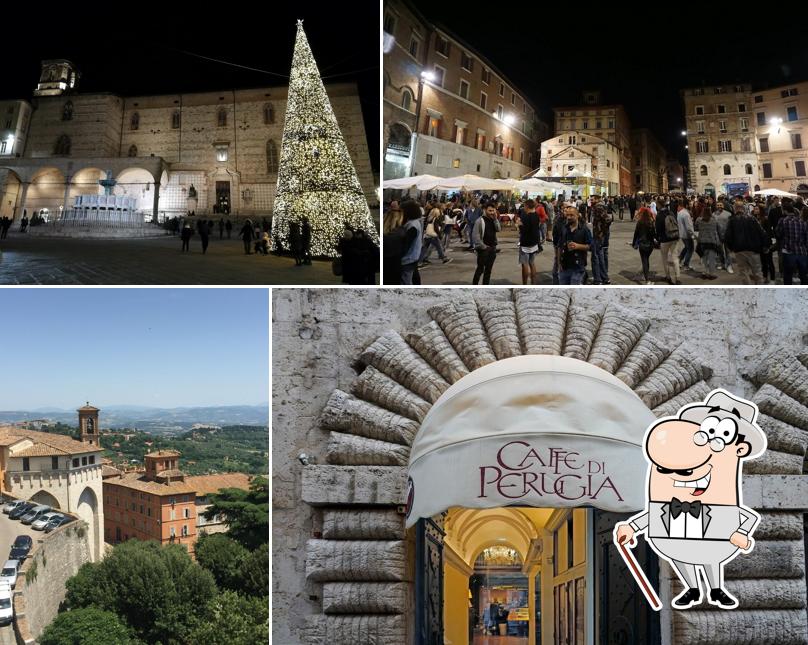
<point>534,430</point>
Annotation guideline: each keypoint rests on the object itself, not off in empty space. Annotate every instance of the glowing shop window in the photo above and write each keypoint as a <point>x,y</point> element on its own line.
<point>221,153</point>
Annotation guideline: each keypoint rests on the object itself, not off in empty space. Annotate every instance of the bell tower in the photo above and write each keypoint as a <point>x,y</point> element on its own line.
<point>88,425</point>
<point>57,77</point>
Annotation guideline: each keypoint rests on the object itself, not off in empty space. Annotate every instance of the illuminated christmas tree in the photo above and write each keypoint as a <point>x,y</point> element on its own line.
<point>316,177</point>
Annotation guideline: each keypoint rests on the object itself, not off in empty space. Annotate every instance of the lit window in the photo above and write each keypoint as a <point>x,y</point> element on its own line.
<point>221,153</point>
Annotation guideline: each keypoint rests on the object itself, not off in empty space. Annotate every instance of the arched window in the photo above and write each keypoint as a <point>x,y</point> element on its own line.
<point>175,120</point>
<point>272,157</point>
<point>269,113</point>
<point>703,171</point>
<point>406,99</point>
<point>67,111</point>
<point>134,123</point>
<point>133,150</point>
<point>222,117</point>
<point>62,145</point>
<point>727,169</point>
<point>749,169</point>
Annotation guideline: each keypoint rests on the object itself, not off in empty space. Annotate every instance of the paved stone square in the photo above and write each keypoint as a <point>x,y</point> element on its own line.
<point>68,261</point>
<point>625,267</point>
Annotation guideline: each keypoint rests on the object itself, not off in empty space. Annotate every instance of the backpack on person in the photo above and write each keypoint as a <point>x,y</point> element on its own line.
<point>671,226</point>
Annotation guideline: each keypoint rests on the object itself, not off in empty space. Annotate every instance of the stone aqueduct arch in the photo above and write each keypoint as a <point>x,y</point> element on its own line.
<point>361,557</point>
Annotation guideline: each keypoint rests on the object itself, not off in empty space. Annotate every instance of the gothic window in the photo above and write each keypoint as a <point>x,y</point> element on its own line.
<point>222,117</point>
<point>748,169</point>
<point>133,150</point>
<point>90,426</point>
<point>406,99</point>
<point>134,124</point>
<point>727,169</point>
<point>175,120</point>
<point>703,171</point>
<point>269,113</point>
<point>67,111</point>
<point>272,157</point>
<point>62,145</point>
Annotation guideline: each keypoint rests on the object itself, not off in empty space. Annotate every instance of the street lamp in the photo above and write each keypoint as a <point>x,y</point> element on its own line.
<point>776,121</point>
<point>684,133</point>
<point>509,119</point>
<point>426,75</point>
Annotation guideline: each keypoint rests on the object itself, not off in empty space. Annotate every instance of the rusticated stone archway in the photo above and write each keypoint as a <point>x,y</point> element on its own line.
<point>362,557</point>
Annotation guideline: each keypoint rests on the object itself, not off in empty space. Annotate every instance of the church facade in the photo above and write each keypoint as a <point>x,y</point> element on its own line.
<point>207,152</point>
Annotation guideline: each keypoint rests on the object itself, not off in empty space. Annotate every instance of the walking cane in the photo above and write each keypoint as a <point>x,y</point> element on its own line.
<point>639,576</point>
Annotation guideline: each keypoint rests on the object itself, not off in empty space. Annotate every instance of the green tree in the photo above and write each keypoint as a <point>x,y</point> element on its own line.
<point>223,557</point>
<point>233,619</point>
<point>158,591</point>
<point>254,572</point>
<point>246,513</point>
<point>87,626</point>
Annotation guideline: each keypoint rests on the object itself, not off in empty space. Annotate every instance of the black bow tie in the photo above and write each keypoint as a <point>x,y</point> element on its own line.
<point>678,507</point>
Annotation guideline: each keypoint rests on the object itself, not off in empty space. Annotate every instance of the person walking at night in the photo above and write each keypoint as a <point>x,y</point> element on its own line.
<point>187,233</point>
<point>204,236</point>
<point>529,241</point>
<point>485,234</point>
<point>746,239</point>
<point>296,243</point>
<point>767,254</point>
<point>667,230</point>
<point>305,234</point>
<point>709,243</point>
<point>722,216</point>
<point>246,235</point>
<point>221,228</point>
<point>601,221</point>
<point>645,240</point>
<point>412,242</point>
<point>24,222</point>
<point>686,234</point>
<point>574,241</point>
<point>792,237</point>
<point>228,226</point>
<point>394,237</point>
<point>632,206</point>
<point>434,227</point>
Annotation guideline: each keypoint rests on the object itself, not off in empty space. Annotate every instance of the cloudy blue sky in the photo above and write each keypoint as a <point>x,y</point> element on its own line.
<point>151,347</point>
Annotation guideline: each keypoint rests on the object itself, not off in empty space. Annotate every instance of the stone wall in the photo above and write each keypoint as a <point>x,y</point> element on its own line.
<point>318,335</point>
<point>41,585</point>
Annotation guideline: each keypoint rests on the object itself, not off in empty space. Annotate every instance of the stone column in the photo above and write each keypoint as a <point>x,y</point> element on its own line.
<point>156,202</point>
<point>65,203</point>
<point>22,195</point>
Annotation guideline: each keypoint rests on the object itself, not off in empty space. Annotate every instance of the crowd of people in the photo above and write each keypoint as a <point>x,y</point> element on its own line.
<point>740,235</point>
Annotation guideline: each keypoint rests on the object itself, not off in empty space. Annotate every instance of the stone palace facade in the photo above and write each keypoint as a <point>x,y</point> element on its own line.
<point>356,373</point>
<point>171,153</point>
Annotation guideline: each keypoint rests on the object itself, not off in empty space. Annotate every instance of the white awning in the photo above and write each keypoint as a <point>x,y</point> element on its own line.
<point>542,431</point>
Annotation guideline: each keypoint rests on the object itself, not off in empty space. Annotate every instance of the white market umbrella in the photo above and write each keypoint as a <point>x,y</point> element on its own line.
<point>575,173</point>
<point>472,182</point>
<point>775,192</point>
<point>409,182</point>
<point>541,172</point>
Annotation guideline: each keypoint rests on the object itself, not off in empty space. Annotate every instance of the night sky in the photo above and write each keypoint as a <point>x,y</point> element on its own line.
<point>137,53</point>
<point>636,57</point>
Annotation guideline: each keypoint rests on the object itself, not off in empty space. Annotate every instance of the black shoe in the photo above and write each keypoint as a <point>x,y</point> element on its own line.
<point>722,599</point>
<point>687,599</point>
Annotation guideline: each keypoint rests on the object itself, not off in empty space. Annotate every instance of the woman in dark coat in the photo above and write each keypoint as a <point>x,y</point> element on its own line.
<point>246,235</point>
<point>645,240</point>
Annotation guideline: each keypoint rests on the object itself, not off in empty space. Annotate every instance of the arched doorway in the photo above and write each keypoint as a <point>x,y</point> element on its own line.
<point>87,510</point>
<point>44,497</point>
<point>10,186</point>
<point>397,153</point>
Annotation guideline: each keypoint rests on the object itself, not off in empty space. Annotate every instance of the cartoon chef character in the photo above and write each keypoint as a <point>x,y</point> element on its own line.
<point>694,515</point>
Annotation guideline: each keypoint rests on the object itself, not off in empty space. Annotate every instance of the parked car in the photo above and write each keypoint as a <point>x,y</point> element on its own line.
<point>6,606</point>
<point>13,504</point>
<point>9,573</point>
<point>44,519</point>
<point>21,510</point>
<point>35,513</point>
<point>21,548</point>
<point>56,523</point>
